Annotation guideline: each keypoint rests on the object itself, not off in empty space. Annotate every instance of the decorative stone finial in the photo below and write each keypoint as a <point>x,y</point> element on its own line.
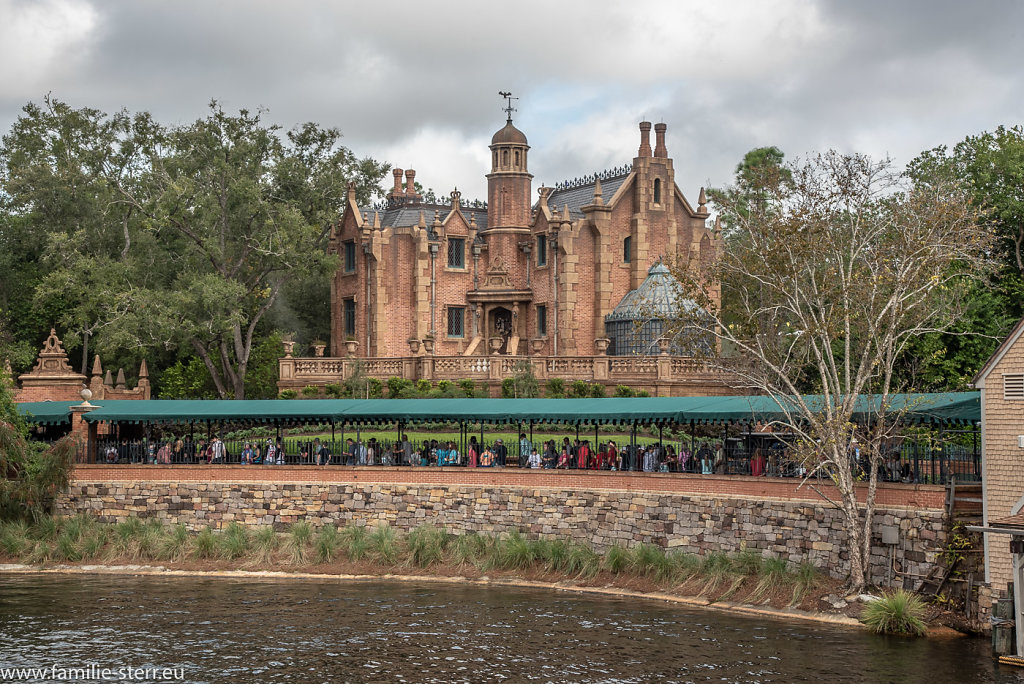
<point>702,201</point>
<point>598,196</point>
<point>97,367</point>
<point>86,395</point>
<point>456,198</point>
<point>143,370</point>
<point>121,384</point>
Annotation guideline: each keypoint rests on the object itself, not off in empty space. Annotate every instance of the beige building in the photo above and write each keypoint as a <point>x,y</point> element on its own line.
<point>1001,383</point>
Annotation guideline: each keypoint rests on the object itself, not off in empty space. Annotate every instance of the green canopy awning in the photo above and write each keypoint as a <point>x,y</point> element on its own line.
<point>47,412</point>
<point>949,407</point>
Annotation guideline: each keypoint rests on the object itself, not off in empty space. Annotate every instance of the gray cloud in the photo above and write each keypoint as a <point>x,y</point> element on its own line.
<point>416,84</point>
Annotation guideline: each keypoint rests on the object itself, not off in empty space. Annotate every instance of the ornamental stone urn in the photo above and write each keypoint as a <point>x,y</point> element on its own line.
<point>601,344</point>
<point>495,343</point>
<point>289,347</point>
<point>350,347</point>
<point>537,344</point>
<point>318,349</point>
<point>428,345</point>
<point>663,345</point>
<point>414,345</point>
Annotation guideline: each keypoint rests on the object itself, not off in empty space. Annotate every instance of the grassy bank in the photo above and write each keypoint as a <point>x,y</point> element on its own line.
<point>746,576</point>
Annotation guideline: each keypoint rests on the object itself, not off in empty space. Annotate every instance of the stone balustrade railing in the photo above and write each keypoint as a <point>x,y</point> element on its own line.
<point>609,369</point>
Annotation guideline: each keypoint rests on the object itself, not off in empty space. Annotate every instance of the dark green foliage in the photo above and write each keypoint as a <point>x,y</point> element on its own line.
<point>555,388</point>
<point>578,389</point>
<point>32,475</point>
<point>624,391</point>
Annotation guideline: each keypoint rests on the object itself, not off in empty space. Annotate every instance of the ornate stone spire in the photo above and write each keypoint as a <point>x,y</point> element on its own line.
<point>702,203</point>
<point>598,197</point>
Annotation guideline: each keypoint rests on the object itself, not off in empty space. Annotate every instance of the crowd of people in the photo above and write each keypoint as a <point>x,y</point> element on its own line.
<point>549,454</point>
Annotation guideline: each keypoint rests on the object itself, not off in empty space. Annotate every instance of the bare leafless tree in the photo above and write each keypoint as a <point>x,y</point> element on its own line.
<point>839,263</point>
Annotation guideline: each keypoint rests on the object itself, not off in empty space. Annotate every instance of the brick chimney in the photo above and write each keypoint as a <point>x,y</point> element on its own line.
<point>659,140</point>
<point>410,183</point>
<point>645,139</point>
<point>397,190</point>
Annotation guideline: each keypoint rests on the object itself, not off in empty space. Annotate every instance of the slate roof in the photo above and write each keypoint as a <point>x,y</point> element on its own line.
<point>583,195</point>
<point>409,215</point>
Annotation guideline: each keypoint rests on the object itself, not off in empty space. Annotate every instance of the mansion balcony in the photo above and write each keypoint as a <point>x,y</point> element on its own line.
<point>661,375</point>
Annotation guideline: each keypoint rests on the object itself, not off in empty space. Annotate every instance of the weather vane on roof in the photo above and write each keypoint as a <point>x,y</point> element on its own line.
<point>508,109</point>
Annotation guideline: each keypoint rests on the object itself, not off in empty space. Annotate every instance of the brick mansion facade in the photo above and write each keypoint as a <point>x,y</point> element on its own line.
<point>455,291</point>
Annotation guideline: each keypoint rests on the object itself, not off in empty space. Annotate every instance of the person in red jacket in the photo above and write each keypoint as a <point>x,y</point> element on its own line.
<point>583,456</point>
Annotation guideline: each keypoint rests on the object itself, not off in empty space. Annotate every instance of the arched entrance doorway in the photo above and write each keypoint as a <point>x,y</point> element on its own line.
<point>501,326</point>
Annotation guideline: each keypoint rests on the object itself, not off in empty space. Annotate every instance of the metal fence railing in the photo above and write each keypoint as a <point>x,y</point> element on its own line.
<point>935,462</point>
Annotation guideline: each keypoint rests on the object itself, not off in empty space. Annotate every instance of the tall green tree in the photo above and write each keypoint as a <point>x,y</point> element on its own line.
<point>990,165</point>
<point>55,163</point>
<point>196,231</point>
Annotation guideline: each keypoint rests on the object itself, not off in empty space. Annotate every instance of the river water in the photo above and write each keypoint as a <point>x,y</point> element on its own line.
<point>231,630</point>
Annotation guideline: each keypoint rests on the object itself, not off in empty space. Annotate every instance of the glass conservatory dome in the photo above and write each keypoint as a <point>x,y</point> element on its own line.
<point>647,313</point>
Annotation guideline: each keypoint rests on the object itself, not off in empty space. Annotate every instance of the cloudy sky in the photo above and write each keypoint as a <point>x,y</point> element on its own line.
<point>415,84</point>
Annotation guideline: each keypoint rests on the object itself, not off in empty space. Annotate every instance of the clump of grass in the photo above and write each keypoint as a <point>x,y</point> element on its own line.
<point>645,559</point>
<point>716,568</point>
<point>93,544</point>
<point>205,544</point>
<point>687,564</point>
<point>512,552</point>
<point>748,562</point>
<point>327,543</point>
<point>173,545</point>
<point>425,545</point>
<point>149,539</point>
<point>47,528</point>
<point>264,543</point>
<point>233,541</point>
<point>897,612</point>
<point>14,538</point>
<point>581,561</point>
<point>468,549</point>
<point>805,579</point>
<point>124,540</point>
<point>38,553</point>
<point>298,539</point>
<point>556,554</point>
<point>774,573</point>
<point>616,559</point>
<point>355,542</point>
<point>66,547</point>
<point>384,544</point>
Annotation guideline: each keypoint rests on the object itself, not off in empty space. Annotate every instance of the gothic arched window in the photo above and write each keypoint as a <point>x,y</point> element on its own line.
<point>657,191</point>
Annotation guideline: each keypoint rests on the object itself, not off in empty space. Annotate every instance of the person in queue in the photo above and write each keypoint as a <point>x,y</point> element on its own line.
<point>548,459</point>
<point>500,453</point>
<point>486,457</point>
<point>524,450</point>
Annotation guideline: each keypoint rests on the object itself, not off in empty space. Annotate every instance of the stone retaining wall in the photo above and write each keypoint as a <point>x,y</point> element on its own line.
<point>692,522</point>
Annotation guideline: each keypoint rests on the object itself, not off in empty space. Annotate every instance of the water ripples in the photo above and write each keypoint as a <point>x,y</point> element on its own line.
<point>222,629</point>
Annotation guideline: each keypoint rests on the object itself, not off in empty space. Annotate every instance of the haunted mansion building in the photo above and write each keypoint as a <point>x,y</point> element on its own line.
<point>455,291</point>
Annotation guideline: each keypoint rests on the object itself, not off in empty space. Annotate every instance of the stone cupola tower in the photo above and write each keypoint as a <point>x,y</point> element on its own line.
<point>509,182</point>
